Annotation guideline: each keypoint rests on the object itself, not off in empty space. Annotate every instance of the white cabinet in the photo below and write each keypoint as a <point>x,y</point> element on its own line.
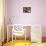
<point>36,33</point>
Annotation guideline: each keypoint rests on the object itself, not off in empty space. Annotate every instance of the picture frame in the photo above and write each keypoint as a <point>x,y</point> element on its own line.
<point>26,9</point>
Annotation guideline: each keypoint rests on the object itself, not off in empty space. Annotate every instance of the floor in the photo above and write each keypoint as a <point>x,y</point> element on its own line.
<point>23,43</point>
<point>18,43</point>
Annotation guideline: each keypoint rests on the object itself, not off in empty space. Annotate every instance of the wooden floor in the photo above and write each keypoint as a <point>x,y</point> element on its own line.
<point>18,43</point>
<point>23,43</point>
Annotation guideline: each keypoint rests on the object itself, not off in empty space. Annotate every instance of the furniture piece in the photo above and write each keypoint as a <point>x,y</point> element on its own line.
<point>18,31</point>
<point>36,33</point>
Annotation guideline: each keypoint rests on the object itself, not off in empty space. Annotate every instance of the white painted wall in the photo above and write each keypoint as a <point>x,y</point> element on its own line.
<point>1,22</point>
<point>37,15</point>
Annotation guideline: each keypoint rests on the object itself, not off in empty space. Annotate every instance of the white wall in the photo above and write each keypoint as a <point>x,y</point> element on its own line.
<point>37,15</point>
<point>1,20</point>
